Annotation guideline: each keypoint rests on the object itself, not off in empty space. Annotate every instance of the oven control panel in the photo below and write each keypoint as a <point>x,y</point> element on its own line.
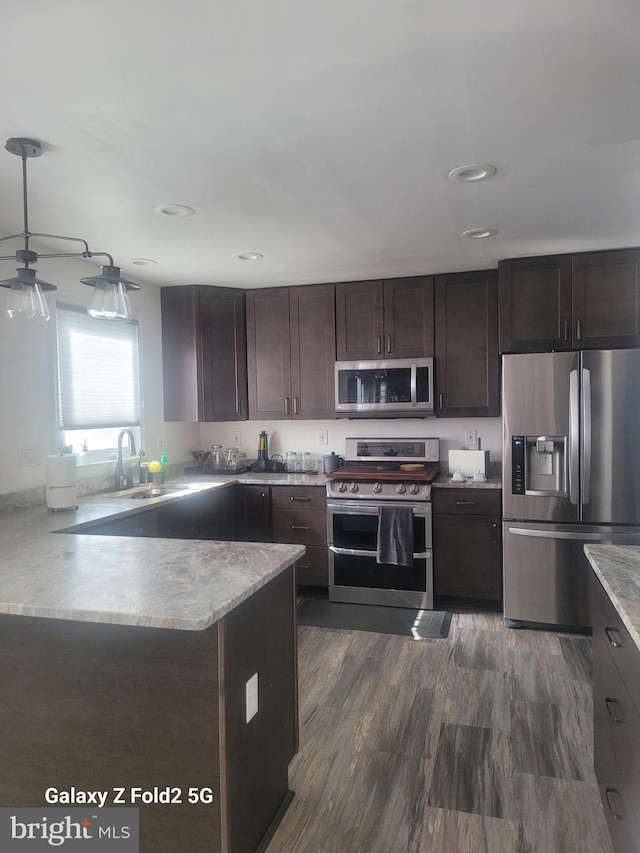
<point>374,490</point>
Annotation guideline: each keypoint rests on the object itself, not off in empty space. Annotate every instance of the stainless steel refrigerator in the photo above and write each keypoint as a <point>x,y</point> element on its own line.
<point>571,474</point>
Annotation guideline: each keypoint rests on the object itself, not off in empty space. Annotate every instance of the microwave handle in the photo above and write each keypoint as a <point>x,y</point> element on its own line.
<point>414,384</point>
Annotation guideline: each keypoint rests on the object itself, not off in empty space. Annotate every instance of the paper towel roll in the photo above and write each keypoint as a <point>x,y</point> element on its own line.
<point>61,487</point>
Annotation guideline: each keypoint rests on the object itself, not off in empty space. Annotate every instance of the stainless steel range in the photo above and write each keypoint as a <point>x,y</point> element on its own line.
<point>380,474</point>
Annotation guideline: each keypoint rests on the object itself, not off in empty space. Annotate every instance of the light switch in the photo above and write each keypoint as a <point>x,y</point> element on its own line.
<point>251,697</point>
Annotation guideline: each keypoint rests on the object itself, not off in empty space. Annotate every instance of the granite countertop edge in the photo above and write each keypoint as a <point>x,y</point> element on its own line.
<point>617,567</point>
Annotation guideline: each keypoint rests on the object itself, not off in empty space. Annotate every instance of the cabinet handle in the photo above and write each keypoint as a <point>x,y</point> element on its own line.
<point>296,407</point>
<point>467,503</point>
<point>299,527</point>
<point>388,343</point>
<point>379,344</point>
<point>611,705</point>
<point>299,499</point>
<point>610,632</point>
<point>607,792</point>
<point>302,566</point>
<point>578,330</point>
<point>566,330</point>
<point>287,406</point>
<point>442,401</point>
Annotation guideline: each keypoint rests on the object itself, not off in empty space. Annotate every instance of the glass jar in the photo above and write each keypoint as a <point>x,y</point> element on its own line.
<point>304,458</point>
<point>291,461</point>
<point>232,458</point>
<point>218,458</point>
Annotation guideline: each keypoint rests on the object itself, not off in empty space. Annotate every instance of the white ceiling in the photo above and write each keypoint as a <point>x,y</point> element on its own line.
<point>320,133</point>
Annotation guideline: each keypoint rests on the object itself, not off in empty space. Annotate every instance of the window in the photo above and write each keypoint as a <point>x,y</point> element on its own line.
<point>98,380</point>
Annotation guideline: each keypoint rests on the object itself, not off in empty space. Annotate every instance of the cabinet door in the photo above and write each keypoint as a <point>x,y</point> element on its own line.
<point>180,348</point>
<point>268,354</point>
<point>204,354</point>
<point>408,317</point>
<point>467,364</point>
<point>313,351</point>
<point>606,299</point>
<point>535,304</point>
<point>253,513</point>
<point>223,354</point>
<point>359,320</point>
<point>467,556</point>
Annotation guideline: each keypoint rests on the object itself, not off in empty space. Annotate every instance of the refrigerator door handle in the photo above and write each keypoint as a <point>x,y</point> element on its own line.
<point>586,436</point>
<point>574,430</point>
<point>625,538</point>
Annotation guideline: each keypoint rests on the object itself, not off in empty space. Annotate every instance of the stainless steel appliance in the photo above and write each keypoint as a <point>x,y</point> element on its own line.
<point>571,474</point>
<point>388,388</point>
<point>375,475</point>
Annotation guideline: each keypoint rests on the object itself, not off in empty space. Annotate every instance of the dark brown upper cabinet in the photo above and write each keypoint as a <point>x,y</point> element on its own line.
<point>565,302</point>
<point>204,353</point>
<point>291,351</point>
<point>384,319</point>
<point>467,361</point>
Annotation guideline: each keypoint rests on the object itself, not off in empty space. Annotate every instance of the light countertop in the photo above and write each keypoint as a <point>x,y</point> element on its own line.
<point>617,567</point>
<point>162,583</point>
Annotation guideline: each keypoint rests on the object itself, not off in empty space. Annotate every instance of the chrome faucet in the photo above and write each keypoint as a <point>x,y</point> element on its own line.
<point>118,474</point>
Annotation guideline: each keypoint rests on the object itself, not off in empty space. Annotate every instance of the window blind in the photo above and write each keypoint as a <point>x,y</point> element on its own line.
<point>98,374</point>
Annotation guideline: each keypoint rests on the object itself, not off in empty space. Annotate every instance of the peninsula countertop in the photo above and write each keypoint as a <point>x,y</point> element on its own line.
<point>163,583</point>
<point>617,567</point>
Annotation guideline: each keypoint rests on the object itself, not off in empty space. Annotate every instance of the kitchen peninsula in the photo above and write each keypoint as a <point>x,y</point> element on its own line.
<point>149,663</point>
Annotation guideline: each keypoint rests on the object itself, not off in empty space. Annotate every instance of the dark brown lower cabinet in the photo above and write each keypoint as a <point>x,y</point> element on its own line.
<point>467,550</point>
<point>253,513</point>
<point>299,516</point>
<point>101,707</point>
<point>616,712</point>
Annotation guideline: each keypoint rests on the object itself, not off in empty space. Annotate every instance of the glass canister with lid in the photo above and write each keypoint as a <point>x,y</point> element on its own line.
<point>232,458</point>
<point>218,457</point>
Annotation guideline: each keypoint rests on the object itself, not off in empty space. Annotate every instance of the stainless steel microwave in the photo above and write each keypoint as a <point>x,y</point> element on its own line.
<point>389,388</point>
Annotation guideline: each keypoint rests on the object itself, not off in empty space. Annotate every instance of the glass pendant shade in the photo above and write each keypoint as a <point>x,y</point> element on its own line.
<point>26,299</point>
<point>110,299</point>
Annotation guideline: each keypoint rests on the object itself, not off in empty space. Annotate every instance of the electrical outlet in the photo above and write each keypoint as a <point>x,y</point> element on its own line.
<point>470,437</point>
<point>236,438</point>
<point>323,436</point>
<point>251,697</point>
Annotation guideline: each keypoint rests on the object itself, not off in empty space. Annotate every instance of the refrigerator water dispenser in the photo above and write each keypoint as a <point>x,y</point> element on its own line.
<point>539,465</point>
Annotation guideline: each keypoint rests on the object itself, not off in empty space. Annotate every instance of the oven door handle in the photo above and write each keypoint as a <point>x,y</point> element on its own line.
<point>354,552</point>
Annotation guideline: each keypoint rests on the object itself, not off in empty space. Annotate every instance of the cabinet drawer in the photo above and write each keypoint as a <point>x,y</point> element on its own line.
<point>616,746</point>
<point>467,501</point>
<point>300,527</point>
<point>294,497</point>
<point>313,568</point>
<point>623,652</point>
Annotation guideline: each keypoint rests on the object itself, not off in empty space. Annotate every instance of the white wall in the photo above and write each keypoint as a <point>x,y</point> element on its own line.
<point>303,435</point>
<point>27,380</point>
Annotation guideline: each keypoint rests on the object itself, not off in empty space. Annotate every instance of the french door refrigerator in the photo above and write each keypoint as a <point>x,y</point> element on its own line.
<point>571,475</point>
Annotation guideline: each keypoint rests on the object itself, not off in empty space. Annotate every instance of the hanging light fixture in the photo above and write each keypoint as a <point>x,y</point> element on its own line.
<point>26,298</point>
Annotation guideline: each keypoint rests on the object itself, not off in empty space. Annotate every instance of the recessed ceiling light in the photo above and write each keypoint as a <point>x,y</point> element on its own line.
<point>142,262</point>
<point>472,174</point>
<point>249,256</point>
<point>173,210</point>
<point>479,233</point>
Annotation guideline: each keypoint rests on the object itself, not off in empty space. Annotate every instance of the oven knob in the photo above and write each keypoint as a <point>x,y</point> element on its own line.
<point>342,487</point>
<point>414,488</point>
<point>353,487</point>
<point>401,488</point>
<point>377,488</point>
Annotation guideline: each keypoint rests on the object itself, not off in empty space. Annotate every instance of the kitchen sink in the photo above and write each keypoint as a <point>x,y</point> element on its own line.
<point>158,492</point>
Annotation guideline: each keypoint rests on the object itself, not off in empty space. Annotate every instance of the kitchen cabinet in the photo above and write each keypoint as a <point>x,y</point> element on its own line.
<point>299,516</point>
<point>466,346</point>
<point>564,302</point>
<point>291,352</point>
<point>253,513</point>
<point>616,711</point>
<point>204,353</point>
<point>467,551</point>
<point>384,319</point>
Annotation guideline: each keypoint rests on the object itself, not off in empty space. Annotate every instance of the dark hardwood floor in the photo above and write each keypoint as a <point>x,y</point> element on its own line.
<point>480,743</point>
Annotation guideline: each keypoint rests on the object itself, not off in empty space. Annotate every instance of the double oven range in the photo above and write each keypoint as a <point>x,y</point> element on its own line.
<point>381,473</point>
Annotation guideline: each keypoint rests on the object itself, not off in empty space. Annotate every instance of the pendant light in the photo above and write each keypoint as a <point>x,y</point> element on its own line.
<point>26,299</point>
